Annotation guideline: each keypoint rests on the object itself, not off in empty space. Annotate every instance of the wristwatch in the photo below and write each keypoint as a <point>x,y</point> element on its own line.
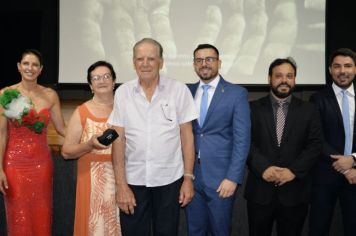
<point>354,158</point>
<point>189,175</point>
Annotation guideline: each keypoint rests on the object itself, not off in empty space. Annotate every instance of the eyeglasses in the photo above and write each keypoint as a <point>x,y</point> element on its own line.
<point>104,77</point>
<point>208,60</point>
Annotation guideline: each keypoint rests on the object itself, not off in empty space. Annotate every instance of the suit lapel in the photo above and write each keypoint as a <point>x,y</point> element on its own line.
<point>291,118</point>
<point>334,105</point>
<point>268,115</point>
<point>218,95</point>
<point>194,88</point>
<point>354,118</point>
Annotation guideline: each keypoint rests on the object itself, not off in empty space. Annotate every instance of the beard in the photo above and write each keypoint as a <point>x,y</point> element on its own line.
<point>280,94</point>
<point>343,85</point>
<point>207,76</point>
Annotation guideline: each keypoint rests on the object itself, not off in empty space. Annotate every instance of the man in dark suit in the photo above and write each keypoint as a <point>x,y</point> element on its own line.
<point>286,141</point>
<point>222,140</point>
<point>334,176</point>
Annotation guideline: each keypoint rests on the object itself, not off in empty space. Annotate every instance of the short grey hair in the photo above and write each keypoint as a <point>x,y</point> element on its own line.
<point>151,41</point>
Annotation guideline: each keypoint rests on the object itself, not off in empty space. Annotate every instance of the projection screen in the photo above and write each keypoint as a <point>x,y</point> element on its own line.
<point>249,34</point>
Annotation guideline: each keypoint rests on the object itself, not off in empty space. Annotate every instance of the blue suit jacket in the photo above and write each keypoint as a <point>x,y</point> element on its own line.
<point>224,139</point>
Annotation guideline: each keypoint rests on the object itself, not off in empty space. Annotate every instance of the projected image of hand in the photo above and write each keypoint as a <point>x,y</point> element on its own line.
<point>245,31</point>
<point>91,15</point>
<point>250,17</point>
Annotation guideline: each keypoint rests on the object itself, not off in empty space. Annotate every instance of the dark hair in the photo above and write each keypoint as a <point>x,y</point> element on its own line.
<point>33,52</point>
<point>346,52</point>
<point>100,63</point>
<point>204,46</point>
<point>280,61</point>
<point>151,41</point>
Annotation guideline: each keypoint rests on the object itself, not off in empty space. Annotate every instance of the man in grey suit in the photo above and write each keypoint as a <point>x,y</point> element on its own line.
<point>222,140</point>
<point>286,142</point>
<point>334,176</point>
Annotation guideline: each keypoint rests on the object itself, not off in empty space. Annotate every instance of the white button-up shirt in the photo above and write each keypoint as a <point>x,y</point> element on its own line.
<point>153,153</point>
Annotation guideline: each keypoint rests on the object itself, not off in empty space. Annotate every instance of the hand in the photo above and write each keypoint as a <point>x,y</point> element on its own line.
<point>3,182</point>
<point>94,143</point>
<point>226,188</point>
<point>350,175</point>
<point>186,193</point>
<point>125,199</point>
<point>271,174</point>
<point>285,175</point>
<point>342,163</point>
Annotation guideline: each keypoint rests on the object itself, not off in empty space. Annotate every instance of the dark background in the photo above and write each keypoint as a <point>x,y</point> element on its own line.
<point>35,24</point>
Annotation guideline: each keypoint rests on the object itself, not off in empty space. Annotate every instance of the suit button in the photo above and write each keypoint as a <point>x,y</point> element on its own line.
<point>201,135</point>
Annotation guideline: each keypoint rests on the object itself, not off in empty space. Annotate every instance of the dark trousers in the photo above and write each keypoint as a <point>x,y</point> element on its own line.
<point>324,198</point>
<point>157,211</point>
<point>289,219</point>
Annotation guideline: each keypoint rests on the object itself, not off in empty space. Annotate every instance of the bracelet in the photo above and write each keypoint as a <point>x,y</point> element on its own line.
<point>189,175</point>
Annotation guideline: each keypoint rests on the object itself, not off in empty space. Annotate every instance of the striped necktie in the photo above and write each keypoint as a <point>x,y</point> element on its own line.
<point>280,121</point>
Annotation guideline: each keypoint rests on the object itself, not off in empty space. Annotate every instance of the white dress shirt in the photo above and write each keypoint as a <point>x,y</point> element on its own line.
<point>153,153</point>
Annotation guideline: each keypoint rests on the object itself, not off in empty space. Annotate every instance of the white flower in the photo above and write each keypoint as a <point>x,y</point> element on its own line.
<point>17,107</point>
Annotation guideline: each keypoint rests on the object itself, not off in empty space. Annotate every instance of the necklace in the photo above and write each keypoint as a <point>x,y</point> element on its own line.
<point>102,104</point>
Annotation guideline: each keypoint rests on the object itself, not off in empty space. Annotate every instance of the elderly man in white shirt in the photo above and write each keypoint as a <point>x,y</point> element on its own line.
<point>154,154</point>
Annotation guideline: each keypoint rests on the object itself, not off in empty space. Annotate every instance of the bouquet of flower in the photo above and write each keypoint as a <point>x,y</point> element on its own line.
<point>20,109</point>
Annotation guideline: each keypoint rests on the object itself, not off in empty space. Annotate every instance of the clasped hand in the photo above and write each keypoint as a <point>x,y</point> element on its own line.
<point>344,164</point>
<point>278,175</point>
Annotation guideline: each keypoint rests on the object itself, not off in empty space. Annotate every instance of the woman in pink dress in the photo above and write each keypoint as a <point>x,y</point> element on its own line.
<point>25,163</point>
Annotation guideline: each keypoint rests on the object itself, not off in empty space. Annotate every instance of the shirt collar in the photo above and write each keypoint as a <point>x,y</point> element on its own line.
<point>350,90</point>
<point>275,101</point>
<point>214,83</point>
<point>161,84</point>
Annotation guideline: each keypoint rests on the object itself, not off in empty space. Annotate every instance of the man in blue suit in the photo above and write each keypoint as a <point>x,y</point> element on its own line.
<point>334,176</point>
<point>222,141</point>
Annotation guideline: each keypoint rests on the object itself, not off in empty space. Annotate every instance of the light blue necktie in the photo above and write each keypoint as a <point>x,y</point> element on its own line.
<point>346,120</point>
<point>204,104</point>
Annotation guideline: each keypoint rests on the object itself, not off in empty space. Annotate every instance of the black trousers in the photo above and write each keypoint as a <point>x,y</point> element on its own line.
<point>289,219</point>
<point>156,213</point>
<point>324,199</point>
